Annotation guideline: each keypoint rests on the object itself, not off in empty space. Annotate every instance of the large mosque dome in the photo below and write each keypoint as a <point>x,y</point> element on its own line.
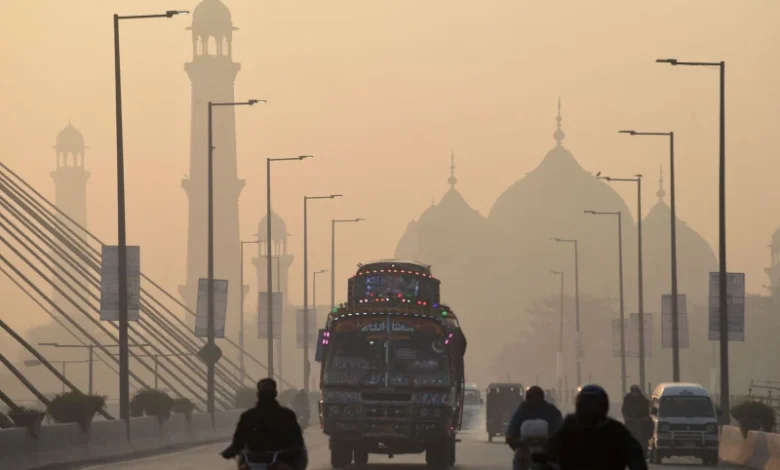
<point>550,202</point>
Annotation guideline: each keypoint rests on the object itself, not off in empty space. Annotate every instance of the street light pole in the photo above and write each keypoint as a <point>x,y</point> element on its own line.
<point>723,299</point>
<point>620,283</point>
<point>241,366</point>
<point>124,362</point>
<point>306,365</point>
<point>268,255</point>
<point>314,300</point>
<point>673,242</point>
<point>559,359</point>
<point>578,353</point>
<point>211,333</point>
<point>638,181</point>
<point>333,256</point>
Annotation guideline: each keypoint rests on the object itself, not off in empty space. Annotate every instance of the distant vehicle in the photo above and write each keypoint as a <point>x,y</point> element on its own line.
<point>684,423</point>
<point>393,372</point>
<point>502,401</point>
<point>473,408</point>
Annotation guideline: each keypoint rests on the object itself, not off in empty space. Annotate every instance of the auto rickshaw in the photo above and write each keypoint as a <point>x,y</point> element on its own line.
<point>502,400</point>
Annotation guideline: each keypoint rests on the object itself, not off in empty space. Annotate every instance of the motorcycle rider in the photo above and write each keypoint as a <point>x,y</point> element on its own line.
<point>590,440</point>
<point>269,427</point>
<point>533,408</point>
<point>636,414</point>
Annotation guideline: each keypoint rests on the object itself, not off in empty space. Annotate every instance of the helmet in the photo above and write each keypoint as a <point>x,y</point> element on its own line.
<point>636,389</point>
<point>534,394</point>
<point>591,406</point>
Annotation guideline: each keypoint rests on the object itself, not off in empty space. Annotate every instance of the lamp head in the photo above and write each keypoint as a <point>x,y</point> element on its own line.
<point>333,196</point>
<point>591,212</point>
<point>172,13</point>
<point>555,239</point>
<point>251,102</point>
<point>629,132</point>
<point>360,219</point>
<point>303,157</point>
<point>667,61</point>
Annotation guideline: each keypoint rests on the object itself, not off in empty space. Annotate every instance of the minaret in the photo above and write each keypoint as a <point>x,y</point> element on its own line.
<point>281,259</point>
<point>452,180</point>
<point>70,190</point>
<point>212,74</point>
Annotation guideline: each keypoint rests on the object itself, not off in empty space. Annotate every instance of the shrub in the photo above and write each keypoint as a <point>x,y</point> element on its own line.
<point>151,402</point>
<point>183,406</point>
<point>754,416</point>
<point>75,407</point>
<point>245,398</point>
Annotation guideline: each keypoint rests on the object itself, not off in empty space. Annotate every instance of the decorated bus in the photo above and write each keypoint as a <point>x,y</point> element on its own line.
<point>392,375</point>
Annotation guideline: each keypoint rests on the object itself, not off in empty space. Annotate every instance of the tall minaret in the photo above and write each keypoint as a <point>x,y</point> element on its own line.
<point>70,190</point>
<point>212,73</point>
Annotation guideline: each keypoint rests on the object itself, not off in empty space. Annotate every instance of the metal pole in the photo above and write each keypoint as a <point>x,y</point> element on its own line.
<point>622,312</point>
<point>91,365</point>
<point>211,365</point>
<point>577,310</point>
<point>724,330</point>
<point>269,269</point>
<point>305,296</point>
<point>241,368</point>
<point>124,363</point>
<point>560,342</point>
<point>156,372</point>
<point>675,313</point>
<point>641,282</point>
<point>314,308</point>
<point>279,344</point>
<point>333,264</point>
<point>64,374</point>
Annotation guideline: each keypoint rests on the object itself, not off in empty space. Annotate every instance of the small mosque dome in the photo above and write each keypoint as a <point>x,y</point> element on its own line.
<point>212,18</point>
<point>278,228</point>
<point>70,140</point>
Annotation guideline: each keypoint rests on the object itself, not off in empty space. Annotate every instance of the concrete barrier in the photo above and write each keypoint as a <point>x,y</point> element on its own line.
<point>60,443</point>
<point>16,449</point>
<point>63,444</point>
<point>145,434</point>
<point>758,450</point>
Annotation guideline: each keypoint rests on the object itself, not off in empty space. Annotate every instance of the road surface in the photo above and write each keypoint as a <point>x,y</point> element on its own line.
<point>473,452</point>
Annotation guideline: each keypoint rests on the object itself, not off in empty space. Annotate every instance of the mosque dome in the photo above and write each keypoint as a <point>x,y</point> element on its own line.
<point>278,228</point>
<point>212,18</point>
<point>440,233</point>
<point>695,258</point>
<point>550,202</point>
<point>70,140</point>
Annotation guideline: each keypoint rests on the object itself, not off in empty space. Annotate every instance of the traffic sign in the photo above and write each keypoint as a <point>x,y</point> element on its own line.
<point>210,354</point>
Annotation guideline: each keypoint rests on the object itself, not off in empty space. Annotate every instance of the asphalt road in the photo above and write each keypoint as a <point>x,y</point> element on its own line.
<point>473,452</point>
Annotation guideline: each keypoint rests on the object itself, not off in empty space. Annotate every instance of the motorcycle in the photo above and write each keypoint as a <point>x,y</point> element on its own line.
<point>540,462</point>
<point>262,460</point>
<point>533,438</point>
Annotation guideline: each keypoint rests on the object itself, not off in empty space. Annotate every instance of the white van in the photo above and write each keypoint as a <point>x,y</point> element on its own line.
<point>684,423</point>
<point>473,408</point>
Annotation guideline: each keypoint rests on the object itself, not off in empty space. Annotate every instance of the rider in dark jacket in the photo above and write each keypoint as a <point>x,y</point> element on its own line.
<point>636,415</point>
<point>534,407</point>
<point>269,427</point>
<point>589,440</point>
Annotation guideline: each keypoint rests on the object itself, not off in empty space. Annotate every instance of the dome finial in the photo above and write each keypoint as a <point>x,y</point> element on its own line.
<point>559,135</point>
<point>452,180</point>
<point>661,193</point>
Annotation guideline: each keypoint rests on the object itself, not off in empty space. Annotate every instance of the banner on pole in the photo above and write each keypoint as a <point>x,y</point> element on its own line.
<point>312,327</point>
<point>666,321</point>
<point>109,283</point>
<point>633,341</point>
<point>735,301</point>
<point>616,332</point>
<point>220,308</point>
<point>262,315</point>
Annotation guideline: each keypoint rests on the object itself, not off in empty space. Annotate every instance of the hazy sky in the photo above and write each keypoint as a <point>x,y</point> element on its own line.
<point>381,91</point>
